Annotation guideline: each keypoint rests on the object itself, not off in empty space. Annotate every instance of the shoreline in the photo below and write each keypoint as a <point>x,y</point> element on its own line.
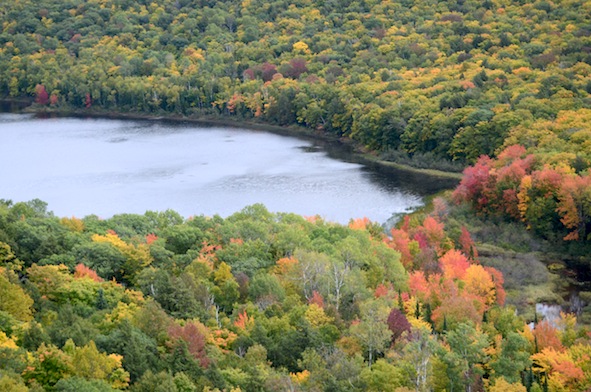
<point>356,151</point>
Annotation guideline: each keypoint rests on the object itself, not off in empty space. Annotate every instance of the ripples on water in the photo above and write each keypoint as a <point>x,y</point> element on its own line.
<point>105,167</point>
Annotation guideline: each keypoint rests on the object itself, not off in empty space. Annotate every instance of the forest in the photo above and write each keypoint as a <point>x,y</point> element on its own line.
<point>438,81</point>
<point>261,301</point>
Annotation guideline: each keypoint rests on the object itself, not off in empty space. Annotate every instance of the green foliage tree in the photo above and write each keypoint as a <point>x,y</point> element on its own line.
<point>372,330</point>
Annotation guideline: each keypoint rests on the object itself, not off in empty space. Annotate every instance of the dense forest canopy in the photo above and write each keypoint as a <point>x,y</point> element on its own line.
<point>261,301</point>
<point>445,80</point>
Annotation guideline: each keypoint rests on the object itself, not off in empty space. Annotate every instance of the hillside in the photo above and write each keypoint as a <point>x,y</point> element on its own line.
<point>264,302</point>
<point>438,80</point>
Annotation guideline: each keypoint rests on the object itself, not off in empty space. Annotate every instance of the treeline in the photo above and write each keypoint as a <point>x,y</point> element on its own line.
<point>554,201</point>
<point>261,301</point>
<point>439,80</point>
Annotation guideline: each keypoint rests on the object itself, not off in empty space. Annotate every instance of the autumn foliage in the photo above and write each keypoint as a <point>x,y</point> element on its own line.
<point>446,277</point>
<point>246,312</point>
<point>42,98</point>
<point>192,335</point>
<point>397,324</point>
<point>547,198</point>
<point>82,271</point>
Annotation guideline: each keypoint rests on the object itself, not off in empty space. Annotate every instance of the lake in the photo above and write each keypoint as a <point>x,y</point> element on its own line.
<point>83,166</point>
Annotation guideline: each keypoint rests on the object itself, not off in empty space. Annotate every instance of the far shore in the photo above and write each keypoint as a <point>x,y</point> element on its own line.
<point>358,153</point>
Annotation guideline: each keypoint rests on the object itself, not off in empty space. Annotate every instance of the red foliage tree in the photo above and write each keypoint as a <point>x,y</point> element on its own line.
<point>422,239</point>
<point>454,264</point>
<point>467,245</point>
<point>267,71</point>
<point>41,96</point>
<point>151,238</point>
<point>400,241</point>
<point>316,299</point>
<point>294,68</point>
<point>243,321</point>
<point>546,335</point>
<point>380,291</point>
<point>248,74</point>
<point>397,323</point>
<point>419,287</point>
<point>82,271</point>
<point>434,233</point>
<point>510,154</point>
<point>194,339</point>
<point>406,224</point>
<point>475,185</point>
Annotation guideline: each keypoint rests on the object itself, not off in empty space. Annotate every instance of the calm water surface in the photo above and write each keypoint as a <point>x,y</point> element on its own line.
<point>105,167</point>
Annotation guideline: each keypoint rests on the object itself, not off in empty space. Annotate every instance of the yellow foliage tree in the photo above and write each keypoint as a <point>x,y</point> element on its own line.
<point>501,385</point>
<point>316,316</point>
<point>301,47</point>
<point>6,342</point>
<point>49,278</point>
<point>137,256</point>
<point>92,364</point>
<point>73,224</point>
<point>478,282</point>
<point>14,300</point>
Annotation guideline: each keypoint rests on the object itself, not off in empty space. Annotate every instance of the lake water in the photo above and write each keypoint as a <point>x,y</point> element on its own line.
<point>85,166</point>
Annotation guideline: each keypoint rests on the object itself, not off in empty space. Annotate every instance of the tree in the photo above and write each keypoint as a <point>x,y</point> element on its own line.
<point>467,245</point>
<point>397,324</point>
<point>48,365</point>
<point>513,359</point>
<point>467,355</point>
<point>454,265</point>
<point>193,336</point>
<point>457,309</point>
<point>71,326</point>
<point>155,382</point>
<point>10,382</point>
<point>546,335</point>
<point>8,260</point>
<point>574,206</point>
<point>383,376</point>
<point>92,364</point>
<point>137,256</point>
<point>75,384</point>
<point>418,357</point>
<point>372,330</point>
<point>502,385</point>
<point>560,367</point>
<point>42,98</point>
<point>138,350</point>
<point>226,289</point>
<point>82,271</point>
<point>479,283</point>
<point>13,299</point>
<point>265,290</point>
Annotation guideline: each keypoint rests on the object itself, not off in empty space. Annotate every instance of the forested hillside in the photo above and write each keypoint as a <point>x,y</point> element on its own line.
<point>261,301</point>
<point>452,80</point>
